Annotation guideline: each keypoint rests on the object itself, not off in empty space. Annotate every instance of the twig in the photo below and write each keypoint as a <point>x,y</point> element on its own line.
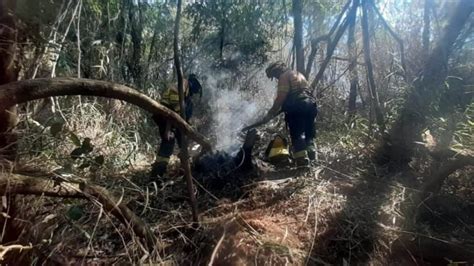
<point>205,190</point>
<point>5,249</point>
<point>214,252</point>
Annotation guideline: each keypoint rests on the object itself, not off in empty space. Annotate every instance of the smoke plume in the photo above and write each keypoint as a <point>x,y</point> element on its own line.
<point>235,103</point>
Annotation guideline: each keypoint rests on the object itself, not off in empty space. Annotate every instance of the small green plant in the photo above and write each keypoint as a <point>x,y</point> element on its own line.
<point>83,155</point>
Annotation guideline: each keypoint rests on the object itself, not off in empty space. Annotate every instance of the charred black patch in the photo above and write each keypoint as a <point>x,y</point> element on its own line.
<point>221,170</point>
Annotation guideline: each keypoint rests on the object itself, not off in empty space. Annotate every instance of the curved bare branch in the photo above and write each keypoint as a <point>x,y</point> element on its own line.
<point>28,185</point>
<point>28,90</point>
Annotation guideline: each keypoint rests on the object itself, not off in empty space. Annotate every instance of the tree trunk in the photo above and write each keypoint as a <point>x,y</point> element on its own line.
<point>374,98</point>
<point>184,141</point>
<point>136,37</point>
<point>28,90</point>
<point>399,145</point>
<point>333,44</point>
<point>426,28</point>
<point>326,37</point>
<point>8,73</point>
<point>354,79</point>
<point>397,39</point>
<point>298,37</point>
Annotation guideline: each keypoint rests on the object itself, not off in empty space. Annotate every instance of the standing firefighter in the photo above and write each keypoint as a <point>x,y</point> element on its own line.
<point>168,134</point>
<point>295,99</point>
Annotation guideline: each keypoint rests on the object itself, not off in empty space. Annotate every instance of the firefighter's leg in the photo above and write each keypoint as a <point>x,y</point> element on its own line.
<point>162,159</point>
<point>296,122</point>
<point>165,150</point>
<point>310,133</point>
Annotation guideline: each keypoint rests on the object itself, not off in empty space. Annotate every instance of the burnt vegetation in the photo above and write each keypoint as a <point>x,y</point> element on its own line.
<point>81,82</point>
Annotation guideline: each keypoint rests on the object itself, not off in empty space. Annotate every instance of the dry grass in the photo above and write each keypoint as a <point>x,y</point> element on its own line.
<point>335,213</point>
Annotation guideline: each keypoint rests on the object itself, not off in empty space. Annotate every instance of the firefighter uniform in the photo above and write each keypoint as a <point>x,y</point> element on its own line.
<point>169,135</point>
<point>300,113</point>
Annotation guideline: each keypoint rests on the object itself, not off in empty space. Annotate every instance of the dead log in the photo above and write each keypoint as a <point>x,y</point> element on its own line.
<point>28,90</point>
<point>15,184</point>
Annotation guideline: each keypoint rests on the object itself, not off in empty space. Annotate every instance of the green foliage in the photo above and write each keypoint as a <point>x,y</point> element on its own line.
<point>84,156</point>
<point>75,212</point>
<point>235,32</point>
<point>348,136</point>
<point>74,139</point>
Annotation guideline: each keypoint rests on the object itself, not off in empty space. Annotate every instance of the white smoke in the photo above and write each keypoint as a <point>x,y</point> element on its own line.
<point>236,103</point>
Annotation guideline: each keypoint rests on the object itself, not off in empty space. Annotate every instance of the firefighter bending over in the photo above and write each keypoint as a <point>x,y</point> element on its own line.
<point>168,134</point>
<point>299,105</point>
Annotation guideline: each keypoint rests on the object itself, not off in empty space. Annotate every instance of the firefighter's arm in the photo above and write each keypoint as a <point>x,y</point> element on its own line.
<point>282,93</point>
<point>275,110</point>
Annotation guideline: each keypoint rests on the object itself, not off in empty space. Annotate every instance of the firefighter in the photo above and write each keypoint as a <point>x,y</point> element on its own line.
<point>168,134</point>
<point>299,105</point>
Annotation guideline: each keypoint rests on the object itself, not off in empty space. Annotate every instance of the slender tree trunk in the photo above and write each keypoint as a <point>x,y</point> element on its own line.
<point>399,146</point>
<point>426,28</point>
<point>8,73</point>
<point>298,37</point>
<point>374,98</point>
<point>354,79</point>
<point>136,29</point>
<point>396,38</point>
<point>78,37</point>
<point>184,141</point>
<point>326,37</point>
<point>332,46</point>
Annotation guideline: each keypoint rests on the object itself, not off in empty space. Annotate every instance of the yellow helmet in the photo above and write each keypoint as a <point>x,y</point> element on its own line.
<point>274,68</point>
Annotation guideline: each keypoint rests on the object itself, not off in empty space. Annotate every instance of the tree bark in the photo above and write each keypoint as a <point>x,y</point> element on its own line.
<point>184,141</point>
<point>15,184</point>
<point>28,90</point>
<point>8,73</point>
<point>374,98</point>
<point>354,79</point>
<point>298,35</point>
<point>398,147</point>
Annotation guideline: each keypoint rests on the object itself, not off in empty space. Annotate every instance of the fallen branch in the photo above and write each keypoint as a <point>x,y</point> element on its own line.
<point>28,90</point>
<point>54,187</point>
